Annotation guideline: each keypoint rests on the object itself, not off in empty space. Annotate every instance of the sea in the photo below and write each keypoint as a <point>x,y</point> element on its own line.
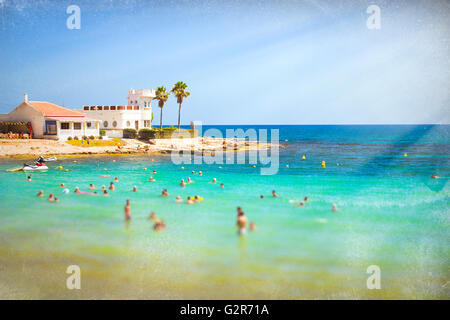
<point>388,239</point>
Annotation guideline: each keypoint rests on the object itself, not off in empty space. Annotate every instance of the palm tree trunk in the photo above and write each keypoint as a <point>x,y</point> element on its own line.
<point>160,121</point>
<point>179,113</point>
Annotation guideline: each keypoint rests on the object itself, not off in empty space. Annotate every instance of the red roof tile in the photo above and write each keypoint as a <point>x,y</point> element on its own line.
<point>51,109</point>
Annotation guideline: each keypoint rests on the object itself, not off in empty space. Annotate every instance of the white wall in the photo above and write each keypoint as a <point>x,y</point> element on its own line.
<point>25,112</point>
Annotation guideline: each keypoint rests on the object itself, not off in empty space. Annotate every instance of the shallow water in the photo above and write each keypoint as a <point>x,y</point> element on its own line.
<point>391,214</point>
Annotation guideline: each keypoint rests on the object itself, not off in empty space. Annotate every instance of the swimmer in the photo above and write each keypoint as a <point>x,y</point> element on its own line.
<point>193,172</point>
<point>111,186</point>
<point>116,179</point>
<point>334,207</point>
<point>261,197</point>
<point>127,211</point>
<point>40,193</point>
<point>189,201</point>
<point>200,173</point>
<point>105,193</point>
<point>252,226</point>
<point>50,197</point>
<point>62,185</point>
<point>178,199</point>
<point>145,168</point>
<point>241,222</point>
<point>77,190</point>
<point>189,180</point>
<point>103,188</point>
<point>196,199</point>
<point>301,204</point>
<point>134,189</point>
<point>214,180</point>
<point>305,199</point>
<point>56,199</point>
<point>222,186</point>
<point>151,179</point>
<point>91,186</point>
<point>159,226</point>
<point>154,172</point>
<point>182,183</point>
<point>274,194</point>
<point>434,176</point>
<point>165,193</point>
<point>152,216</point>
<point>29,178</point>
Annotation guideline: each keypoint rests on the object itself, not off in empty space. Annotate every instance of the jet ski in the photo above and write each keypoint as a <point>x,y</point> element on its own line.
<point>38,165</point>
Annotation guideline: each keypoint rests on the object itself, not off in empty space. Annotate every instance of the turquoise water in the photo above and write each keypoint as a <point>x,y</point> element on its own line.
<point>391,214</point>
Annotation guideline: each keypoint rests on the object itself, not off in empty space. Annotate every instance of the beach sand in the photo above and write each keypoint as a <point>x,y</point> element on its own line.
<point>36,147</point>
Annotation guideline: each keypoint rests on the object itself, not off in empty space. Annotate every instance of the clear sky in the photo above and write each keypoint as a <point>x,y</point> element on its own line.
<point>245,62</point>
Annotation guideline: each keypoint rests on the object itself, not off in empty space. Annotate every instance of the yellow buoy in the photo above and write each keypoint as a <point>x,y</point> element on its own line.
<point>67,170</point>
<point>303,158</point>
<point>254,166</point>
<point>323,164</point>
<point>405,154</point>
<point>182,167</point>
<point>60,167</point>
<point>145,168</point>
<point>287,166</point>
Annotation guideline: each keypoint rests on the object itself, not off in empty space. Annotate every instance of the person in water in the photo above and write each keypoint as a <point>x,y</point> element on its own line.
<point>50,197</point>
<point>105,193</point>
<point>159,226</point>
<point>154,172</point>
<point>222,186</point>
<point>29,178</point>
<point>189,200</point>
<point>152,216</point>
<point>334,207</point>
<point>91,186</point>
<point>62,185</point>
<point>178,199</point>
<point>261,197</point>
<point>77,190</point>
<point>189,180</point>
<point>214,180</point>
<point>40,193</point>
<point>193,172</point>
<point>200,173</point>
<point>103,188</point>
<point>275,195</point>
<point>56,199</point>
<point>301,204</point>
<point>241,222</point>
<point>165,193</point>
<point>152,179</point>
<point>134,189</point>
<point>305,200</point>
<point>182,183</point>
<point>111,186</point>
<point>252,226</point>
<point>127,211</point>
<point>434,176</point>
<point>116,179</point>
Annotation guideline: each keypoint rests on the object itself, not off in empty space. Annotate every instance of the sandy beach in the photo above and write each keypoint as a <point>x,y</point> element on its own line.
<point>22,148</point>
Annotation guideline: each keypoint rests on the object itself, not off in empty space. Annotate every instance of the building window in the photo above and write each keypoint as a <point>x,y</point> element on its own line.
<point>85,108</point>
<point>114,124</point>
<point>128,123</point>
<point>147,123</point>
<point>105,124</point>
<point>64,126</point>
<point>88,124</point>
<point>77,125</point>
<point>50,127</point>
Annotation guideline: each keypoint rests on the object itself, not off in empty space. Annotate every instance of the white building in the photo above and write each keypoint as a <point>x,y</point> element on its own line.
<point>51,121</point>
<point>136,115</point>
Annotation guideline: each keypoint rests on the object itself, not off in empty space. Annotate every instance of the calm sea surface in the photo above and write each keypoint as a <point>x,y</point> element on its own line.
<point>391,214</point>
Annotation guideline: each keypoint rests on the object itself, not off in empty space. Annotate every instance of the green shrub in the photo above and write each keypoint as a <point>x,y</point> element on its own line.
<point>100,138</point>
<point>84,138</point>
<point>165,133</point>
<point>75,138</point>
<point>69,138</point>
<point>129,133</point>
<point>102,133</point>
<point>92,137</point>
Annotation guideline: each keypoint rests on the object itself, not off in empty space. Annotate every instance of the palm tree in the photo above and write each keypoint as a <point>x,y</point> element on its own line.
<point>179,90</point>
<point>161,96</point>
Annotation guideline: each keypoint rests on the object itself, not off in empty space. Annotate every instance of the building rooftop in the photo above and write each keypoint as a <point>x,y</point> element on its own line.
<point>51,109</point>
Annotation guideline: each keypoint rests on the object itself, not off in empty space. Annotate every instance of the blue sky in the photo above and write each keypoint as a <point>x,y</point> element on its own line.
<point>245,62</point>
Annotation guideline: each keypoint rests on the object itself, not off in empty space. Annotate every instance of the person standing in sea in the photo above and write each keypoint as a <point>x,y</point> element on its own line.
<point>127,211</point>
<point>241,222</point>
